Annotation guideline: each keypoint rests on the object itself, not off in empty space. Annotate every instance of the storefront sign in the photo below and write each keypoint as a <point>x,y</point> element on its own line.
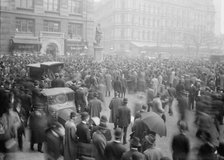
<point>74,46</point>
<point>25,46</point>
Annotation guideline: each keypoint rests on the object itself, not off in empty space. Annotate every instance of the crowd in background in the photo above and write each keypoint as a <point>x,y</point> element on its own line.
<point>196,85</point>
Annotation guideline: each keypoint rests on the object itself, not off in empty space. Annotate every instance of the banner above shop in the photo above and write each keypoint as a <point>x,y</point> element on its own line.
<point>24,44</point>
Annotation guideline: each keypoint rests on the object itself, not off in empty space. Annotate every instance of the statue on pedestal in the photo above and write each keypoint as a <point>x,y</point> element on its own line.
<point>98,36</point>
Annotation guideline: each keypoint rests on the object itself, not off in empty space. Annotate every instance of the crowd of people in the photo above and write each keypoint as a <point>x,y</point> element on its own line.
<point>197,85</point>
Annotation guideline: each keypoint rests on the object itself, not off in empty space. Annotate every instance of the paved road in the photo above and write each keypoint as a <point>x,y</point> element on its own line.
<point>161,142</point>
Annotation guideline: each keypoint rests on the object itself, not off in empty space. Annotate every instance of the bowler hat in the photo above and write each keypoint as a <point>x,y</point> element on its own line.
<point>117,133</point>
<point>102,125</point>
<point>103,119</point>
<point>36,82</point>
<point>125,100</point>
<point>135,142</point>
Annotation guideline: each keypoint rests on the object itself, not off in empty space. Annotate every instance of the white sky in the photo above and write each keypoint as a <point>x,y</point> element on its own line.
<point>222,17</point>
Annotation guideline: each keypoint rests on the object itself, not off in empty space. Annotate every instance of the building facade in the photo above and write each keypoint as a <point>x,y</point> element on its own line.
<point>46,26</point>
<point>218,16</point>
<point>154,23</point>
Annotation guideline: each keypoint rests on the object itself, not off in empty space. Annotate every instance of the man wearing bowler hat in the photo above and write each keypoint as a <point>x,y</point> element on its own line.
<point>114,150</point>
<point>134,148</point>
<point>83,131</point>
<point>124,118</point>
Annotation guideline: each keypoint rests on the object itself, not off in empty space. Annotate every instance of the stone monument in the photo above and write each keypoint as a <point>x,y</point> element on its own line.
<point>98,49</point>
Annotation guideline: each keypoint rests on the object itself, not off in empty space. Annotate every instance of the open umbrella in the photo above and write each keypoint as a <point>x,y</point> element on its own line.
<point>154,122</point>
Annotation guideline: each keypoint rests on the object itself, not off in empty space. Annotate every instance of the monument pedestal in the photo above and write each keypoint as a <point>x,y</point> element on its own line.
<point>98,54</point>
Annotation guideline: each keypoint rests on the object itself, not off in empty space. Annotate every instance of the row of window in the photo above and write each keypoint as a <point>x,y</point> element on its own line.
<point>131,34</point>
<point>28,26</point>
<point>74,6</point>
<point>158,8</point>
<point>155,22</point>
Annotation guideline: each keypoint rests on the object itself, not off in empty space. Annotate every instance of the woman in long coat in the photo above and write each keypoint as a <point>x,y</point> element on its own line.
<point>70,146</point>
<point>38,125</point>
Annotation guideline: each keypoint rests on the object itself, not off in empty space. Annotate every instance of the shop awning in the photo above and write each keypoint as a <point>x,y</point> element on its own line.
<point>25,41</point>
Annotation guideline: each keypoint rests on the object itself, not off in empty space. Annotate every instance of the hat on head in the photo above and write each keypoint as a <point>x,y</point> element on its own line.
<point>84,115</point>
<point>72,114</point>
<point>102,125</point>
<point>182,125</point>
<point>125,100</point>
<point>36,82</point>
<point>118,133</point>
<point>135,142</point>
<point>103,119</point>
<point>150,139</point>
<point>95,94</point>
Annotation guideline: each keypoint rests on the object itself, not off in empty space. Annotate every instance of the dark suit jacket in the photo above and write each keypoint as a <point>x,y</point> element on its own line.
<point>180,144</point>
<point>114,151</point>
<point>36,97</point>
<point>26,101</point>
<point>128,155</point>
<point>117,85</point>
<point>124,116</point>
<point>57,83</point>
<point>95,107</point>
<point>83,133</point>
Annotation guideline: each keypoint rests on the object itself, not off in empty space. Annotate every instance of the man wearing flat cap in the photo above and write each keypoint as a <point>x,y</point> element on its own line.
<point>134,147</point>
<point>124,118</point>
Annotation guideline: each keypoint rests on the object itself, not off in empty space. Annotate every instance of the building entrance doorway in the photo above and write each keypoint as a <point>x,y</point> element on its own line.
<point>52,49</point>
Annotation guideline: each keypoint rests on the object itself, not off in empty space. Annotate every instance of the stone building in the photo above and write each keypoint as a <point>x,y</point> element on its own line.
<point>154,24</point>
<point>48,26</point>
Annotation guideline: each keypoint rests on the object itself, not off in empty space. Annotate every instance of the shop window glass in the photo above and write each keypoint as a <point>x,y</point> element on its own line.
<point>51,26</point>
<point>24,25</point>
<point>75,30</point>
